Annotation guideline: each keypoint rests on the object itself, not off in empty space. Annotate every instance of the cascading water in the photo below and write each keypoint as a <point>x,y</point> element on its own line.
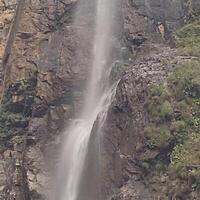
<point>97,100</point>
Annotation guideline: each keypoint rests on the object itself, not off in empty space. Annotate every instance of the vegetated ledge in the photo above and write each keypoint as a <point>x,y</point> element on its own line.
<point>16,108</point>
<point>171,157</point>
<point>15,113</point>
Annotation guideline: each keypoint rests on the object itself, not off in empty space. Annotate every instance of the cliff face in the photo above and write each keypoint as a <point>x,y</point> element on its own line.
<point>132,164</point>
<point>44,86</point>
<point>47,73</point>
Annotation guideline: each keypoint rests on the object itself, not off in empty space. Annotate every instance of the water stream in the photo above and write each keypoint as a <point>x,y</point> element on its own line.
<point>97,100</point>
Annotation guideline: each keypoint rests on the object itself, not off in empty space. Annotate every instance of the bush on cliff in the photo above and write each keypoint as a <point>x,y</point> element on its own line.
<point>15,108</point>
<point>188,38</point>
<point>173,110</point>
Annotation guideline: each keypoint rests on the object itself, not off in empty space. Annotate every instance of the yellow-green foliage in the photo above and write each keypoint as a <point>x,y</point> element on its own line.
<point>175,105</point>
<point>185,158</point>
<point>184,85</point>
<point>183,111</point>
<point>160,112</point>
<point>185,81</point>
<point>174,118</point>
<point>158,104</point>
<point>158,136</point>
<point>188,38</point>
<point>166,110</point>
<point>157,90</point>
<point>178,126</point>
<point>173,132</point>
<point>174,127</point>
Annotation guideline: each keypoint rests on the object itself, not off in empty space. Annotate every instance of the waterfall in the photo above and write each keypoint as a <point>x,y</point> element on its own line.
<point>97,100</point>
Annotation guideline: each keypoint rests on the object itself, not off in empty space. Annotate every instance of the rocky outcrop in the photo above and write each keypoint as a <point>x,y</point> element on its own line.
<point>147,23</point>
<point>126,119</point>
<point>124,139</point>
<point>166,13</point>
<point>144,18</point>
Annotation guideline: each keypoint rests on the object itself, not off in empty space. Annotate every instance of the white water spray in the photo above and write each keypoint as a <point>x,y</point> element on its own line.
<point>97,101</point>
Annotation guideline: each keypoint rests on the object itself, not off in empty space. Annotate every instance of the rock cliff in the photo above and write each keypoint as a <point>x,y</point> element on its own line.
<point>43,89</point>
<point>131,165</point>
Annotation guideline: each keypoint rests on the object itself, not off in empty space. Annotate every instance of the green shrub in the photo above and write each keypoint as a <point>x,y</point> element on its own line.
<point>157,136</point>
<point>178,126</point>
<point>191,29</point>
<point>183,111</point>
<point>173,132</point>
<point>157,103</point>
<point>185,81</point>
<point>185,158</point>
<point>188,38</point>
<point>8,119</point>
<point>166,110</point>
<point>195,121</point>
<point>157,90</point>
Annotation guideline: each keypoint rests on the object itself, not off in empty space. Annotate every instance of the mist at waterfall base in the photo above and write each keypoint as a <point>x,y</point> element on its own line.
<point>78,175</point>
